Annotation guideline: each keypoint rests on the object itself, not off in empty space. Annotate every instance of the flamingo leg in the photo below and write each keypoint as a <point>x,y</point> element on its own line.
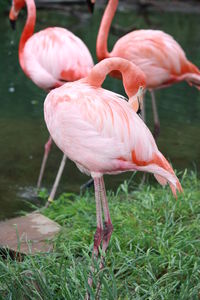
<point>57,180</point>
<point>47,148</point>
<point>107,232</point>
<point>156,131</point>
<point>99,229</point>
<point>108,227</point>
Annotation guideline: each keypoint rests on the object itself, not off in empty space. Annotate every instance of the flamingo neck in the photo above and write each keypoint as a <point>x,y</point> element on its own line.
<point>28,29</point>
<point>102,38</point>
<point>132,76</point>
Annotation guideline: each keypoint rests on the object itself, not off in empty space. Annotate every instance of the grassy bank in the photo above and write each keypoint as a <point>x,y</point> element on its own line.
<point>154,251</point>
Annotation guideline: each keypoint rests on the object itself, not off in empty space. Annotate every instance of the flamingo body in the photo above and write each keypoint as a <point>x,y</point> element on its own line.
<point>158,55</point>
<point>102,134</point>
<point>49,58</point>
<point>54,55</point>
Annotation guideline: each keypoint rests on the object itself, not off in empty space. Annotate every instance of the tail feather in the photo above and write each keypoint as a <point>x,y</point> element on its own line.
<point>178,187</point>
<point>173,181</point>
<point>162,171</point>
<point>192,75</point>
<point>160,179</point>
<point>192,68</point>
<point>159,166</point>
<point>174,184</point>
<point>193,79</point>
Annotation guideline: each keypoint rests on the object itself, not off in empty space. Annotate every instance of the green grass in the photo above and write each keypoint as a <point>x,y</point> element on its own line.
<point>154,251</point>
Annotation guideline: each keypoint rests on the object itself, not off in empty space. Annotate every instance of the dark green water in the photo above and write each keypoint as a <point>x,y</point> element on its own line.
<point>23,131</point>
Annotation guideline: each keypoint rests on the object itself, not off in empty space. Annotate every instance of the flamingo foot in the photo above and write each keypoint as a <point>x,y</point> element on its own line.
<point>95,253</point>
<point>107,232</point>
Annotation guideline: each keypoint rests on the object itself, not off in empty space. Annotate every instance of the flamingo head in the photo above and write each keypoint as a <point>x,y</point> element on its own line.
<point>135,86</point>
<point>17,5</point>
<point>91,4</point>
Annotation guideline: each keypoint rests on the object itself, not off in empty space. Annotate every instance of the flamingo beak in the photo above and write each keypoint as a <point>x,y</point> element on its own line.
<point>140,96</point>
<point>13,17</point>
<point>139,111</point>
<point>137,100</point>
<point>91,5</point>
<point>13,24</point>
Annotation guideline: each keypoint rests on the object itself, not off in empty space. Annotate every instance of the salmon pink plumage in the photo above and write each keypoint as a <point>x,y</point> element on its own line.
<point>102,134</point>
<point>158,55</point>
<point>50,58</point>
<point>55,55</point>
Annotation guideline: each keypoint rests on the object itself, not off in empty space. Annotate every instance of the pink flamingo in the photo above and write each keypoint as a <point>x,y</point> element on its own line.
<point>158,55</point>
<point>49,58</point>
<point>102,134</point>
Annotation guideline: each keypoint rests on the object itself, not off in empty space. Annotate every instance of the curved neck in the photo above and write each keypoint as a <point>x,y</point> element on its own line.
<point>132,76</point>
<point>28,28</point>
<point>102,38</point>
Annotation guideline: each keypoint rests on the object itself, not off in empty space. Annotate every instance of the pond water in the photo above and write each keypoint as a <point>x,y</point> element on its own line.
<point>23,132</point>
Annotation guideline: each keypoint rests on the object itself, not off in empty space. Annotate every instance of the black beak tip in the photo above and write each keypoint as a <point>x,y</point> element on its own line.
<point>90,6</point>
<point>139,111</point>
<point>13,24</point>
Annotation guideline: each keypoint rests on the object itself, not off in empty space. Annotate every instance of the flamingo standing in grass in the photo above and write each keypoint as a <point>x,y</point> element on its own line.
<point>49,58</point>
<point>102,134</point>
<point>158,55</point>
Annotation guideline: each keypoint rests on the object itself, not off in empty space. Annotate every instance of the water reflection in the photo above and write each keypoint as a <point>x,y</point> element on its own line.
<point>23,131</point>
